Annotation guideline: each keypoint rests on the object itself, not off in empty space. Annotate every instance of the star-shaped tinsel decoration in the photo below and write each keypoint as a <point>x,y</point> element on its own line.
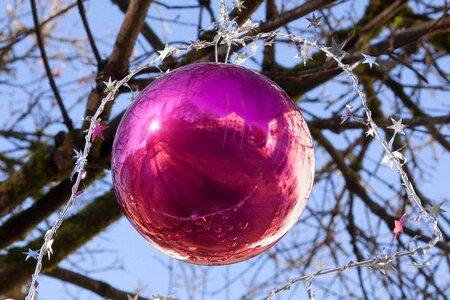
<point>110,85</point>
<point>348,114</point>
<point>383,267</point>
<point>370,132</point>
<point>134,94</point>
<point>336,49</point>
<point>314,22</point>
<point>389,161</point>
<point>239,5</point>
<point>165,52</point>
<point>31,253</point>
<point>350,263</point>
<point>304,54</point>
<point>397,126</point>
<point>79,156</point>
<point>269,41</point>
<point>247,26</point>
<point>97,132</point>
<point>398,226</point>
<point>254,48</point>
<point>198,44</point>
<point>241,58</point>
<point>227,29</point>
<point>136,297</point>
<point>436,209</point>
<point>371,60</point>
<point>35,284</point>
<point>381,263</point>
<point>48,246</point>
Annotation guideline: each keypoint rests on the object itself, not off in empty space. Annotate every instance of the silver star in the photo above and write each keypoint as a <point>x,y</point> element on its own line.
<point>49,248</point>
<point>134,94</point>
<point>136,297</point>
<point>269,42</point>
<point>370,132</point>
<point>247,26</point>
<point>80,157</point>
<point>314,22</point>
<point>388,161</point>
<point>348,114</point>
<point>198,44</point>
<point>78,154</point>
<point>165,52</point>
<point>369,60</point>
<point>304,54</point>
<point>383,267</point>
<point>397,126</point>
<point>239,5</point>
<point>436,209</point>
<point>336,49</point>
<point>254,48</point>
<point>31,253</point>
<point>400,157</point>
<point>109,85</point>
<point>241,58</point>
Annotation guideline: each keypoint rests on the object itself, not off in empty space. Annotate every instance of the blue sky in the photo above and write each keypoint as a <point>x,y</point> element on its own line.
<point>120,255</point>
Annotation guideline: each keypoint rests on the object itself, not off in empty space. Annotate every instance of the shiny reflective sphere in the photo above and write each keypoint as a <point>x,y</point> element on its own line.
<point>213,163</point>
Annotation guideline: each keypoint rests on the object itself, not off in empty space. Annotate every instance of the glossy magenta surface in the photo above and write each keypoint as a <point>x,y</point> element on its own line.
<point>213,163</point>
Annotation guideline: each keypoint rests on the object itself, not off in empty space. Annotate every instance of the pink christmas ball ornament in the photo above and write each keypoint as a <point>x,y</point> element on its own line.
<point>213,163</point>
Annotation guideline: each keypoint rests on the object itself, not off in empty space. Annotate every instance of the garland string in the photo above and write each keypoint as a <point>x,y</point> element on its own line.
<point>229,33</point>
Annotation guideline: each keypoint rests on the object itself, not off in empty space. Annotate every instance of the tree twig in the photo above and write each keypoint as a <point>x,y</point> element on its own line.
<point>84,20</point>
<point>146,30</point>
<point>74,232</point>
<point>336,125</point>
<point>118,61</point>
<point>98,287</point>
<point>40,42</point>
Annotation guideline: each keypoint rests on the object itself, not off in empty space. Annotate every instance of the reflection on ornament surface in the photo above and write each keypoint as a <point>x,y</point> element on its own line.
<point>213,163</point>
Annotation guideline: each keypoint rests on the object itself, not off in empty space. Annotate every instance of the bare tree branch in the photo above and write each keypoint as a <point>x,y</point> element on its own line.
<point>353,183</point>
<point>413,43</point>
<point>417,112</point>
<point>67,120</point>
<point>118,61</point>
<point>82,12</point>
<point>146,30</point>
<point>98,287</point>
<point>74,232</point>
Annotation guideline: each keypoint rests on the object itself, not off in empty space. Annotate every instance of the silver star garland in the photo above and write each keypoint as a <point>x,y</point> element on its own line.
<point>228,32</point>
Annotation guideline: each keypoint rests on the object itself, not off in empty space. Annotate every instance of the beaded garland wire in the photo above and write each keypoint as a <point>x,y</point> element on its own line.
<point>229,33</point>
